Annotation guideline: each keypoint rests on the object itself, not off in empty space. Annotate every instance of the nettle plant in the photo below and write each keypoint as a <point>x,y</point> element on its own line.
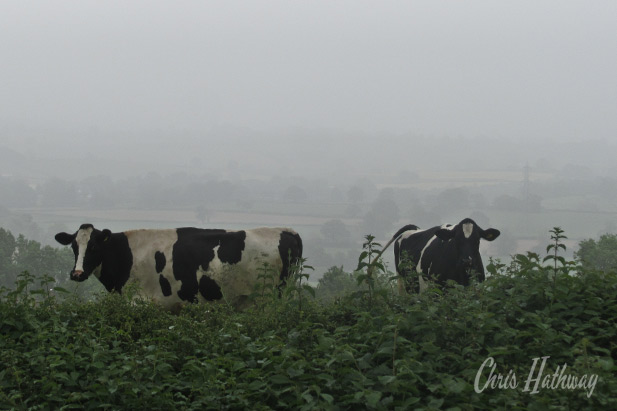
<point>269,289</point>
<point>531,261</point>
<point>553,270</point>
<point>295,288</point>
<point>372,272</point>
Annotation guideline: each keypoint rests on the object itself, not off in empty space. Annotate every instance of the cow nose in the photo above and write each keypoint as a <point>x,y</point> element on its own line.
<point>76,273</point>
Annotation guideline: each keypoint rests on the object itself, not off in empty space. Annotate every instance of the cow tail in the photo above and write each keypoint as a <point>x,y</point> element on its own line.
<point>402,230</point>
<point>395,236</point>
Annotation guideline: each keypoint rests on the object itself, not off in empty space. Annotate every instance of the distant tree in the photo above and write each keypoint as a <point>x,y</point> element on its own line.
<point>355,194</point>
<point>16,193</point>
<point>20,254</point>
<point>7,266</point>
<point>598,255</point>
<point>505,245</point>
<point>380,219</point>
<point>58,193</point>
<point>335,233</point>
<point>295,194</point>
<point>99,191</point>
<point>506,202</point>
<point>451,201</point>
<point>336,195</point>
<point>202,214</point>
<point>423,217</point>
<point>335,283</point>
<point>353,210</point>
<point>480,218</point>
<point>196,192</point>
<point>23,224</point>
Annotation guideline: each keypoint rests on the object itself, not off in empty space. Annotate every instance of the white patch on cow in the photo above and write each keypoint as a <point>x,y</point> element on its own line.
<point>259,257</point>
<point>467,229</point>
<point>423,284</point>
<point>82,238</point>
<point>144,245</point>
<point>419,265</point>
<point>216,263</point>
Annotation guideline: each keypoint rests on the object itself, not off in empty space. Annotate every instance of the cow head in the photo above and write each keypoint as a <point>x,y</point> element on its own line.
<point>88,246</point>
<point>465,238</point>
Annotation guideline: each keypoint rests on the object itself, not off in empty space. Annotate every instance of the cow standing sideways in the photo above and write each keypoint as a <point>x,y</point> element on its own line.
<point>175,266</point>
<point>445,252</point>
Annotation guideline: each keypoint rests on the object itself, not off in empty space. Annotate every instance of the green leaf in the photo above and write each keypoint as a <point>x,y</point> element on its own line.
<point>279,379</point>
<point>309,289</point>
<point>294,372</point>
<point>363,256</point>
<point>455,385</point>
<point>373,398</point>
<point>387,379</point>
<point>329,399</point>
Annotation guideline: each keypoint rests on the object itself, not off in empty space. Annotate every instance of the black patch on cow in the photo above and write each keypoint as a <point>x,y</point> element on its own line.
<point>195,249</point>
<point>160,261</point>
<point>165,286</point>
<point>117,261</point>
<point>209,289</point>
<point>290,250</point>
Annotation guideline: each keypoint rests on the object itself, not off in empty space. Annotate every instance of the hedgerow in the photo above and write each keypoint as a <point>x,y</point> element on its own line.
<point>368,349</point>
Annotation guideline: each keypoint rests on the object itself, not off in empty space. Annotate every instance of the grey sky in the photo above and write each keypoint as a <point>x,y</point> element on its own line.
<point>518,69</point>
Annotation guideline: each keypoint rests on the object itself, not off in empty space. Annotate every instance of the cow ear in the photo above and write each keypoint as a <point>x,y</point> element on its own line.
<point>64,238</point>
<point>490,234</point>
<point>444,234</point>
<point>103,236</point>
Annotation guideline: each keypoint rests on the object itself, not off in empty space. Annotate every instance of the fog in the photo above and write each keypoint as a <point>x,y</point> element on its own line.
<point>513,104</point>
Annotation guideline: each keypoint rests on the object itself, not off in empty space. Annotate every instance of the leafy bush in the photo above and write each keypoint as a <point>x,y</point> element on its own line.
<point>20,254</point>
<point>600,254</point>
<point>367,350</point>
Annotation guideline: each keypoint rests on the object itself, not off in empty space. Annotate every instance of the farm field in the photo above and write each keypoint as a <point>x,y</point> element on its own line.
<point>581,217</point>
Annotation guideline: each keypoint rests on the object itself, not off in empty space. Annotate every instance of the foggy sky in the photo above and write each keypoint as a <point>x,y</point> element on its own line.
<point>91,74</point>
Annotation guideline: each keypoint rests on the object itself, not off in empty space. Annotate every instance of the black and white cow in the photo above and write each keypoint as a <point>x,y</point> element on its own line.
<point>175,266</point>
<point>445,252</point>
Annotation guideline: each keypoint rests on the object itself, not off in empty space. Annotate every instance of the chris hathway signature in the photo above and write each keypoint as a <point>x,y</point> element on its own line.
<point>536,379</point>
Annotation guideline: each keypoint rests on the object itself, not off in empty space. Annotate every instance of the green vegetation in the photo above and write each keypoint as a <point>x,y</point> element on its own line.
<point>599,255</point>
<point>19,254</point>
<point>363,348</point>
